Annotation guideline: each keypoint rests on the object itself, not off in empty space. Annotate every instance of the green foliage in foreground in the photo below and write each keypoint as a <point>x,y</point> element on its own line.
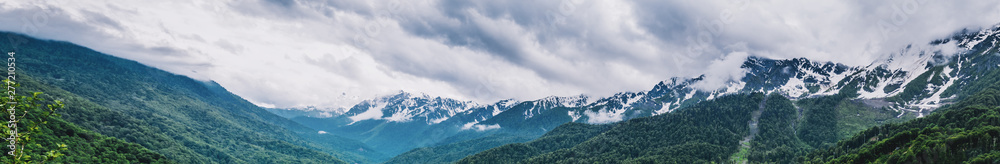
<point>46,138</point>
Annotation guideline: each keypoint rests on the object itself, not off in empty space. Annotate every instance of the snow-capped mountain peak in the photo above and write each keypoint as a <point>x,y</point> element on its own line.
<point>915,79</point>
<point>405,107</point>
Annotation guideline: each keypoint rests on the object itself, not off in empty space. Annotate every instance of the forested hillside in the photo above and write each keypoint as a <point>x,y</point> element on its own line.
<point>562,137</point>
<point>965,131</point>
<point>707,132</point>
<point>827,129</point>
<point>187,121</point>
<point>47,138</point>
<point>727,129</point>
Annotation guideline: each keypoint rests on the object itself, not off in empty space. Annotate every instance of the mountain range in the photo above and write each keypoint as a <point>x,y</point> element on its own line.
<point>914,80</point>
<point>780,110</point>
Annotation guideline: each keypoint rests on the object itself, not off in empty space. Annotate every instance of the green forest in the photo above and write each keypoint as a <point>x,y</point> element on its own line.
<point>43,137</point>
<point>965,131</point>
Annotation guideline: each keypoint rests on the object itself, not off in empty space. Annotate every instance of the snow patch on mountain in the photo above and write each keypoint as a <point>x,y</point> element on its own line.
<point>733,87</point>
<point>400,116</point>
<point>935,100</point>
<point>831,89</point>
<point>794,87</point>
<point>497,111</point>
<point>574,115</point>
<point>373,112</point>
<point>666,108</point>
<point>690,95</point>
<point>631,98</point>
<point>979,37</point>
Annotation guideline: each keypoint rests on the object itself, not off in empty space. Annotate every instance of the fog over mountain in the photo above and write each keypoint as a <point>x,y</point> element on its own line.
<point>329,54</point>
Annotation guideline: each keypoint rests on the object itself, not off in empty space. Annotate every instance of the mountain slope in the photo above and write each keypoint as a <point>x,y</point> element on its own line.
<point>963,132</point>
<point>910,83</point>
<point>186,120</point>
<point>383,122</point>
<point>81,145</point>
<point>448,153</point>
<point>561,137</point>
<point>714,124</point>
<point>709,131</point>
<point>832,102</point>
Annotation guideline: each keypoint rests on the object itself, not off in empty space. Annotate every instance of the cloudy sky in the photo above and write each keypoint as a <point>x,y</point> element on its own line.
<point>288,53</point>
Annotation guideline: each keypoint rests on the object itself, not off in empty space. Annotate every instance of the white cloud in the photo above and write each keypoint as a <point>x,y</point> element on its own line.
<point>478,127</point>
<point>722,71</point>
<point>485,127</point>
<point>949,49</point>
<point>602,117</point>
<point>337,53</point>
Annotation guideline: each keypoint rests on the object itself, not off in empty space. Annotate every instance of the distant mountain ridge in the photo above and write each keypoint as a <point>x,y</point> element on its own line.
<point>794,78</point>
<point>827,109</point>
<point>914,80</point>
